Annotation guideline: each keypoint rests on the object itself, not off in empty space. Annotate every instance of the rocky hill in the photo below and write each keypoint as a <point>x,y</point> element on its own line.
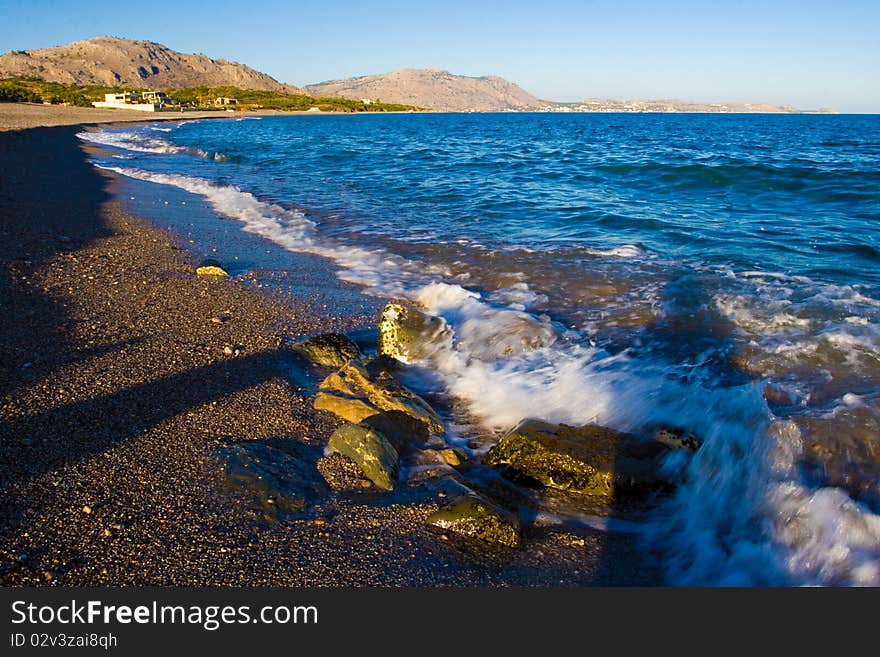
<point>109,61</point>
<point>607,105</point>
<point>433,89</point>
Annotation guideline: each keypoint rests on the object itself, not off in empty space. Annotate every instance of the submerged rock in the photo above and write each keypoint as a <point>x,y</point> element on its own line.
<point>269,480</point>
<point>408,335</point>
<point>328,350</point>
<point>474,516</point>
<point>370,450</point>
<point>351,390</point>
<point>211,269</point>
<point>589,459</point>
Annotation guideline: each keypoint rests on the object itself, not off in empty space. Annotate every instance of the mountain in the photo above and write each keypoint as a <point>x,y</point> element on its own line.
<point>109,61</point>
<point>433,89</point>
<point>606,105</point>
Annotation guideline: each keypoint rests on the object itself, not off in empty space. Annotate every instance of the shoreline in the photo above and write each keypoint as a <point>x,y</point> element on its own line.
<point>23,116</point>
<point>119,404</point>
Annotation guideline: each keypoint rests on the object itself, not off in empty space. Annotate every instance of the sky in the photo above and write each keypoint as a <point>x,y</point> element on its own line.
<point>806,53</point>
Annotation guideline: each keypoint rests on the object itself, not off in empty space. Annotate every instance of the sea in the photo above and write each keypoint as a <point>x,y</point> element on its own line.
<point>718,274</point>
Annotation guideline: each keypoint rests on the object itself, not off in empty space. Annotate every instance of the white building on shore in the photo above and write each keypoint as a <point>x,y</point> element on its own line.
<point>148,101</point>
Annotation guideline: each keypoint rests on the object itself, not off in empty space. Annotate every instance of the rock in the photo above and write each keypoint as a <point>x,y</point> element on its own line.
<point>87,509</point>
<point>589,459</point>
<point>408,335</point>
<point>233,350</point>
<point>384,393</point>
<point>474,516</point>
<point>677,439</point>
<point>505,334</point>
<point>211,269</point>
<point>351,409</point>
<point>450,486</point>
<point>402,429</point>
<point>268,480</point>
<point>370,450</point>
<point>435,442</point>
<point>328,350</point>
<point>453,456</point>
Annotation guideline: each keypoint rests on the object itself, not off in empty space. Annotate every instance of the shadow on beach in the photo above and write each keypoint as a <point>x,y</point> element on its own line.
<point>52,203</point>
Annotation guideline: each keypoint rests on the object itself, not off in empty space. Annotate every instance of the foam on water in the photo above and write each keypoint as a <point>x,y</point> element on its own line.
<point>745,515</point>
<point>140,140</point>
<point>131,141</point>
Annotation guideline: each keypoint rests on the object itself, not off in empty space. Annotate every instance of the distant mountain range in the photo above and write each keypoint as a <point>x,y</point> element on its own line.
<point>110,61</point>
<point>434,89</point>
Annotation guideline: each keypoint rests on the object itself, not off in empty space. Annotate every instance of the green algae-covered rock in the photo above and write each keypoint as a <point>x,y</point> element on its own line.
<point>408,335</point>
<point>474,516</point>
<point>371,452</point>
<point>328,350</point>
<point>588,459</point>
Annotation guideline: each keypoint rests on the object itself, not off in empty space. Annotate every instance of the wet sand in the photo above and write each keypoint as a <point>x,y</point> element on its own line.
<point>117,398</point>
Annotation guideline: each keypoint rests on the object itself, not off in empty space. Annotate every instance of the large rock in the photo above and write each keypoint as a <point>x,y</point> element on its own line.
<point>474,516</point>
<point>328,350</point>
<point>589,459</point>
<point>370,450</point>
<point>353,382</point>
<point>408,335</point>
<point>268,480</point>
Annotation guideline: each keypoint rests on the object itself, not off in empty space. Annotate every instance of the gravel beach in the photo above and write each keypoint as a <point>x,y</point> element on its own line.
<point>120,401</point>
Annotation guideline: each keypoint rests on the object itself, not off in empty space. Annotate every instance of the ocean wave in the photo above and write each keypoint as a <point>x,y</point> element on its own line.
<point>744,514</point>
<point>130,141</point>
<point>140,140</point>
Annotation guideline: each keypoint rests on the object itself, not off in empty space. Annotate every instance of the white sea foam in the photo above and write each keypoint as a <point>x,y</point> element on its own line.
<point>625,251</point>
<point>131,141</point>
<point>742,517</point>
<point>142,141</point>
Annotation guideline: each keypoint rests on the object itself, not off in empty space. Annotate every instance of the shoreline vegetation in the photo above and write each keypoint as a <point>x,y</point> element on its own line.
<point>162,428</point>
<point>201,98</point>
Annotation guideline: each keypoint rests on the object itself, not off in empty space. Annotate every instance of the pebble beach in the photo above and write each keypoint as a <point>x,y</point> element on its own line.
<point>127,381</point>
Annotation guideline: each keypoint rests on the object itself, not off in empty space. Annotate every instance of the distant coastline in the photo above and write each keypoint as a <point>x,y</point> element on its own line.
<point>83,71</point>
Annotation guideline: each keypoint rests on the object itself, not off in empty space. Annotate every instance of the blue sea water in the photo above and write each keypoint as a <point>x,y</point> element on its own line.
<point>715,273</point>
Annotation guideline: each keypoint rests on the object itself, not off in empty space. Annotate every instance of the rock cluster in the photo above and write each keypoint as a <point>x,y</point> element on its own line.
<point>384,420</point>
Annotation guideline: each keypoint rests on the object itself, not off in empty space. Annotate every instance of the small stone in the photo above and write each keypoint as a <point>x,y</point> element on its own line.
<point>228,350</point>
<point>319,522</point>
<point>108,533</point>
<point>87,509</point>
<point>366,483</point>
<point>453,456</point>
<point>47,576</point>
<point>211,269</point>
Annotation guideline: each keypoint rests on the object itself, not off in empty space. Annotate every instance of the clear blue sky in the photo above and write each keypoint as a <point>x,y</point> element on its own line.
<point>805,52</point>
